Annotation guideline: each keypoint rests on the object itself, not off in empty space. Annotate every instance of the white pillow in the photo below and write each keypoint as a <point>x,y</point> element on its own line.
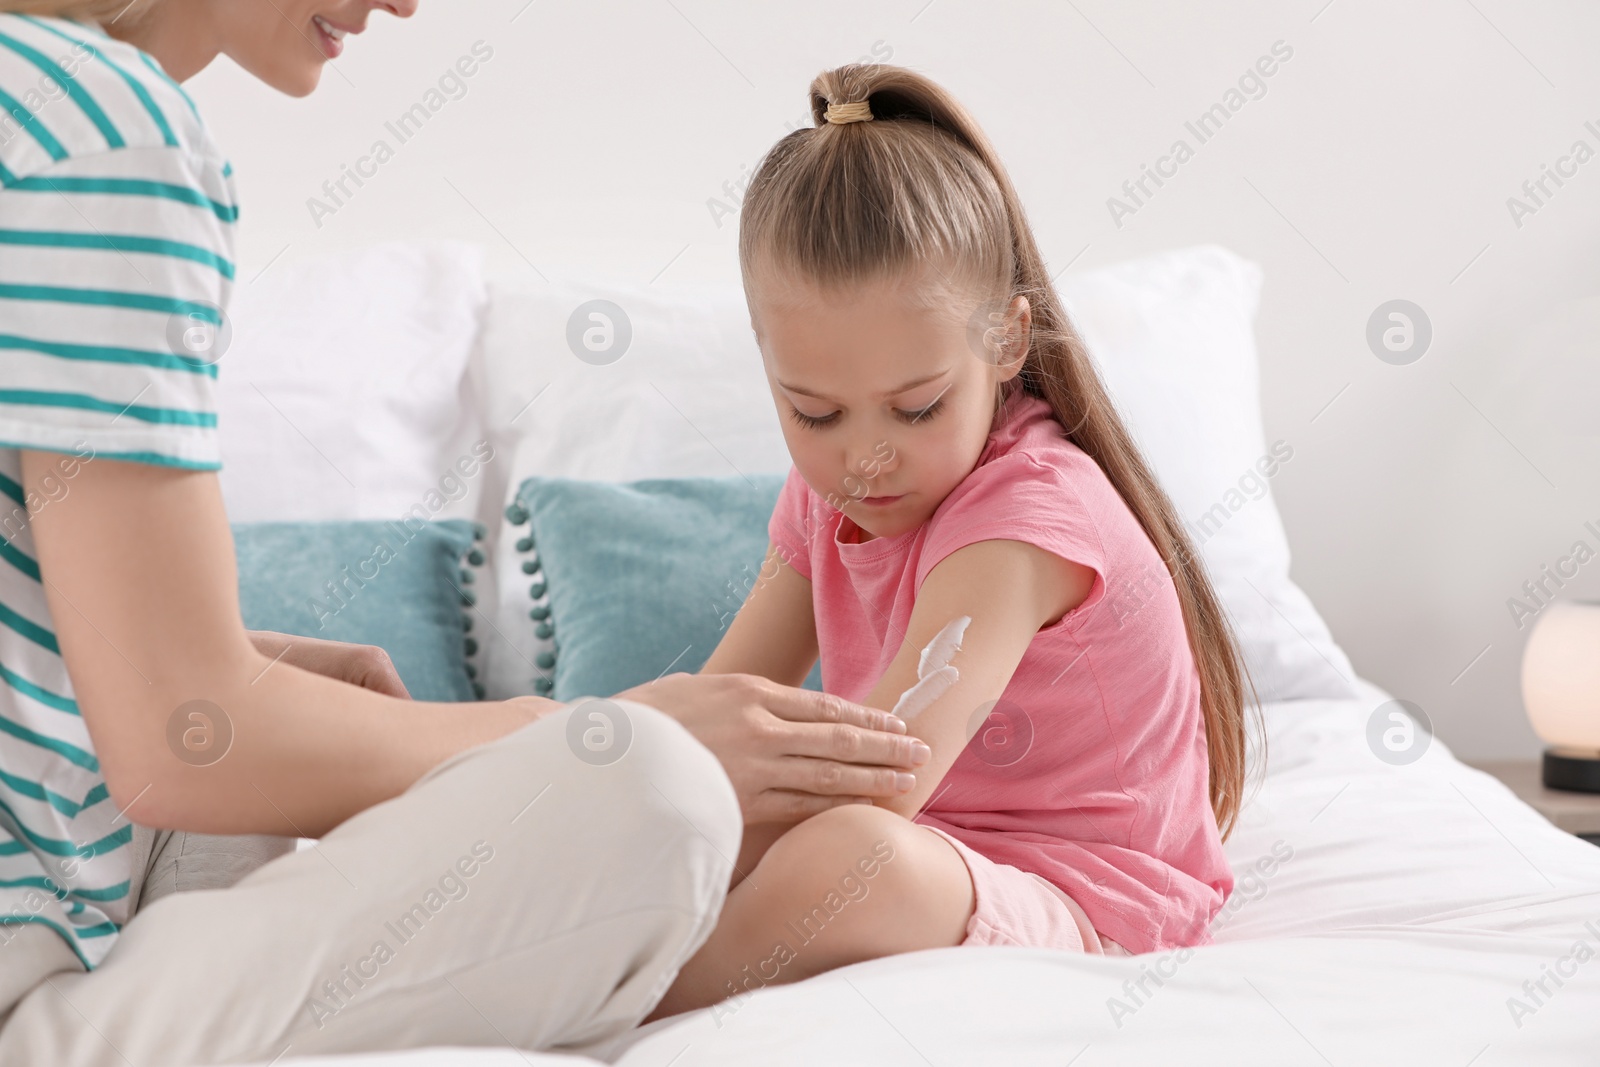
<point>680,400</point>
<point>345,391</point>
<point>686,398</point>
<point>1173,338</point>
<point>1171,333</point>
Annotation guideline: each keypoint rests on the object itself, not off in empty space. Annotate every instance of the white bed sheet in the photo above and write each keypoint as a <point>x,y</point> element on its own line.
<point>1414,903</point>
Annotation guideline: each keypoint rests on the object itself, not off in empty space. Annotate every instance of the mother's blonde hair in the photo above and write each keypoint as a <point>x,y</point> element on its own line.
<point>85,10</point>
<point>919,185</point>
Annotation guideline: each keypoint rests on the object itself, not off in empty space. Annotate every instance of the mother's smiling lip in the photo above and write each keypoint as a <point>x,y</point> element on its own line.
<point>331,35</point>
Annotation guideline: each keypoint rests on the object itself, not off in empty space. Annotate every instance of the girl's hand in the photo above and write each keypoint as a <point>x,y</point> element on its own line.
<point>367,666</point>
<point>789,752</point>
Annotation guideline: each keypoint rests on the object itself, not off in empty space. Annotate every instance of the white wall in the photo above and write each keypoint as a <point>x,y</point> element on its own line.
<point>1377,165</point>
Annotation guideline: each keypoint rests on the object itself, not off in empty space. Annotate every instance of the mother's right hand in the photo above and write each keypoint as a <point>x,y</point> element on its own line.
<point>790,753</point>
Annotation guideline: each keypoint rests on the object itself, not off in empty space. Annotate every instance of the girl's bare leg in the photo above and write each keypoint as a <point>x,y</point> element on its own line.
<point>753,846</point>
<point>854,883</point>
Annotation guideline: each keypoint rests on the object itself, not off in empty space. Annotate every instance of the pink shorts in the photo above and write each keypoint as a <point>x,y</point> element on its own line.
<point>1017,907</point>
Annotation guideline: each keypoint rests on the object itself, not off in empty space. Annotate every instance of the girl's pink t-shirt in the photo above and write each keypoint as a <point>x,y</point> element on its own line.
<point>1091,769</point>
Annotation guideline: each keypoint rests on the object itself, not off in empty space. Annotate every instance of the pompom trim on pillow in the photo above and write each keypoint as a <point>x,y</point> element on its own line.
<point>471,561</point>
<point>544,626</point>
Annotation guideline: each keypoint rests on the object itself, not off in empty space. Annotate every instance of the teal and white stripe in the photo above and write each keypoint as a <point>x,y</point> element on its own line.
<point>116,237</point>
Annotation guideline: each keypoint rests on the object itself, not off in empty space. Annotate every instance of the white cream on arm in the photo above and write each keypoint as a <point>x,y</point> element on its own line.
<point>934,673</point>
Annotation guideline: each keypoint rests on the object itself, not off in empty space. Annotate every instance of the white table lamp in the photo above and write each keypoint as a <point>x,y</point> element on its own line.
<point>1561,692</point>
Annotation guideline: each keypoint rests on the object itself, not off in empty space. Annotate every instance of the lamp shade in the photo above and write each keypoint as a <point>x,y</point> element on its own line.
<point>1561,676</point>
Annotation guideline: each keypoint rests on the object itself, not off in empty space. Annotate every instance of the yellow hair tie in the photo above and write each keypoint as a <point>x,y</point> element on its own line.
<point>840,114</point>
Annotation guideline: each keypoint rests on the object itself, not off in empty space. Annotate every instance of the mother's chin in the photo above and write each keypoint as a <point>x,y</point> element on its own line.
<point>283,43</point>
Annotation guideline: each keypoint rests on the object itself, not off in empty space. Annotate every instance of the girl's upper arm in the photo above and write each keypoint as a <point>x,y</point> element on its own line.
<point>774,635</point>
<point>1009,589</point>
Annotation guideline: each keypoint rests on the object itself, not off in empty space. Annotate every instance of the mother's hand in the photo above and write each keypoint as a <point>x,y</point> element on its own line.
<point>790,753</point>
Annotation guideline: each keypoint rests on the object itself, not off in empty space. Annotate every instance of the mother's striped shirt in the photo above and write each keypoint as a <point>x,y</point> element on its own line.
<point>116,261</point>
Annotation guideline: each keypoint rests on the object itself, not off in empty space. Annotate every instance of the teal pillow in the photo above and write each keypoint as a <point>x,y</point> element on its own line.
<point>637,580</point>
<point>399,585</point>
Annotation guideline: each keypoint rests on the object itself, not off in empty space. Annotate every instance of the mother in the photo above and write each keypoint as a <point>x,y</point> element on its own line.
<point>475,881</point>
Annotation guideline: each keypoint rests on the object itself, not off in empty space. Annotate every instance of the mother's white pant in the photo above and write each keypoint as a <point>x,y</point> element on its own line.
<point>516,895</point>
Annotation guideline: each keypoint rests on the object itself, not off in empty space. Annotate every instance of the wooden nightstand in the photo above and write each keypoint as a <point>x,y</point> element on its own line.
<point>1576,813</point>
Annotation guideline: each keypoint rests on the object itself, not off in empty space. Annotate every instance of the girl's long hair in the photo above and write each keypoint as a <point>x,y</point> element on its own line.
<point>920,186</point>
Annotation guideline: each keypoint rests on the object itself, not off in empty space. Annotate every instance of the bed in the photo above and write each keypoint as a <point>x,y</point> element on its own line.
<point>1383,915</point>
<point>1386,910</point>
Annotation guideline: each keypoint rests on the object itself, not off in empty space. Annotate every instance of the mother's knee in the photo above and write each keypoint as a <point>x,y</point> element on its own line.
<point>663,769</point>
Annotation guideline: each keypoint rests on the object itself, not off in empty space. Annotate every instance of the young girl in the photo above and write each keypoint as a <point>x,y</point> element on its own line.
<point>968,536</point>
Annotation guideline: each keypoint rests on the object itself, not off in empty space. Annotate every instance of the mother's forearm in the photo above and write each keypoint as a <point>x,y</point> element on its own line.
<point>280,750</point>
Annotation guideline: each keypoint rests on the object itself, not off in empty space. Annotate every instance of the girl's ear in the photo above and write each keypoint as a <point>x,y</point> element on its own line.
<point>1018,332</point>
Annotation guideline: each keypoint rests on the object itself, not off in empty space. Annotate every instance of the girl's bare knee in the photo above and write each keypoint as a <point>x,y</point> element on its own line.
<point>880,883</point>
